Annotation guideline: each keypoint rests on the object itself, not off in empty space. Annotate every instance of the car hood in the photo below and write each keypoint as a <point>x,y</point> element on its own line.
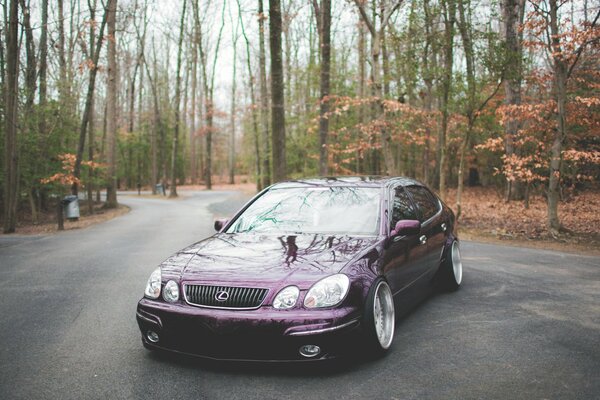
<point>251,258</point>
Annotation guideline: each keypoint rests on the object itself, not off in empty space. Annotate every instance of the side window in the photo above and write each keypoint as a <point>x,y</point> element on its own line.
<point>402,207</point>
<point>426,202</point>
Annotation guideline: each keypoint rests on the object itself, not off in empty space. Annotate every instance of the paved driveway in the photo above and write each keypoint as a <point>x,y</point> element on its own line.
<point>525,325</point>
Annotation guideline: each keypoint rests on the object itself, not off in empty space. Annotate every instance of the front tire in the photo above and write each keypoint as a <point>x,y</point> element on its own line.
<point>379,317</point>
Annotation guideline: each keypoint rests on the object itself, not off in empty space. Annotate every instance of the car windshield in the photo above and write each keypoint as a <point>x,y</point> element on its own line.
<point>321,210</point>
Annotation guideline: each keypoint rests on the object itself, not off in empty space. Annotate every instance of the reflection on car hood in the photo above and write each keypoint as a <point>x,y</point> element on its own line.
<point>251,258</point>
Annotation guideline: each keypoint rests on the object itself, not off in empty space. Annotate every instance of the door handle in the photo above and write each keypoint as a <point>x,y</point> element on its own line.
<point>444,227</point>
<point>423,239</point>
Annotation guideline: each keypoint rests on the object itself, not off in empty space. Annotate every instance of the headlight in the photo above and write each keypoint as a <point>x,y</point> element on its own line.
<point>171,292</point>
<point>286,298</point>
<point>327,292</point>
<point>153,285</point>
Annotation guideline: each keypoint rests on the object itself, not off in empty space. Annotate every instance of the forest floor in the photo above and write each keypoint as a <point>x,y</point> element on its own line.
<point>486,217</point>
<point>47,220</point>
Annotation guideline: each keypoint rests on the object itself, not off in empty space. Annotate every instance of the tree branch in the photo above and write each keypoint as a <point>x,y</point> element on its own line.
<point>365,17</point>
<point>386,17</point>
<point>583,45</point>
<point>491,96</point>
<point>315,4</point>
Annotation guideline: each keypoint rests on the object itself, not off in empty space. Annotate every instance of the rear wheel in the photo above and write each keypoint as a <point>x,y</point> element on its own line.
<point>379,317</point>
<point>452,270</point>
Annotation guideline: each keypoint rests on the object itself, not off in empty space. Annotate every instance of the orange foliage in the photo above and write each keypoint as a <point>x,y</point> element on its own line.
<point>66,178</point>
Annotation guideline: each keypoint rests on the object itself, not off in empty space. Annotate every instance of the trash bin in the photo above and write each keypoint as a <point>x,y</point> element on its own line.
<point>71,207</point>
<point>160,189</point>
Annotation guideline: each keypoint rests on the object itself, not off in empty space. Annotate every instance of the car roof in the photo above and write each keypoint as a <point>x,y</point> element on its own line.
<point>353,181</point>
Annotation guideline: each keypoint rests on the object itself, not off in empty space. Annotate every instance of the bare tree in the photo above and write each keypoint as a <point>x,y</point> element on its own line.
<point>277,98</point>
<point>63,85</point>
<point>376,40</point>
<point>87,111</point>
<point>209,85</point>
<point>28,126</point>
<point>259,172</point>
<point>193,134</point>
<point>264,99</point>
<point>91,125</point>
<point>233,102</point>
<point>513,12</point>
<point>173,187</point>
<point>11,163</point>
<point>323,16</point>
<point>111,106</point>
<point>449,14</point>
<point>562,67</point>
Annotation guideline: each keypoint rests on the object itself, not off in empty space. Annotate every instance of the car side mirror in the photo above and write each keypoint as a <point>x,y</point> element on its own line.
<point>406,227</point>
<point>220,224</point>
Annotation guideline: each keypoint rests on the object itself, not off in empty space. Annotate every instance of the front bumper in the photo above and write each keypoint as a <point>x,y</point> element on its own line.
<point>265,334</point>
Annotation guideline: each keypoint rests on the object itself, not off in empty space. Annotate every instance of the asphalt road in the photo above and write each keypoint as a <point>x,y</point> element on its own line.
<point>525,324</point>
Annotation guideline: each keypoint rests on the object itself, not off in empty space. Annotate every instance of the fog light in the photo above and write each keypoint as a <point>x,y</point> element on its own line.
<point>309,350</point>
<point>152,336</point>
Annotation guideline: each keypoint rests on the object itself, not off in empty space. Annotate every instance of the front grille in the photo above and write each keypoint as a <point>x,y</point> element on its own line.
<point>235,297</point>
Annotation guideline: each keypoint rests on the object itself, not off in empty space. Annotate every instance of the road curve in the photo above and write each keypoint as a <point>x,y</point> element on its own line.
<point>525,324</point>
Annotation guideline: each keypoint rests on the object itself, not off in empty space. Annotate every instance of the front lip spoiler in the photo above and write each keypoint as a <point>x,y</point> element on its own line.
<point>320,358</point>
<point>323,330</point>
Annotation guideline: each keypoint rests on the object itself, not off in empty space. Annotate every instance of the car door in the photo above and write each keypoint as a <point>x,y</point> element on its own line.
<point>404,256</point>
<point>433,226</point>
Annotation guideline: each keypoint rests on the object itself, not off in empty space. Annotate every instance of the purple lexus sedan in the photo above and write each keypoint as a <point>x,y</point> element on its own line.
<point>307,270</point>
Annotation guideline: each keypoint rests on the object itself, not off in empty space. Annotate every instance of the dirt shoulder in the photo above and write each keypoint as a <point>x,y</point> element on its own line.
<point>582,246</point>
<point>48,224</point>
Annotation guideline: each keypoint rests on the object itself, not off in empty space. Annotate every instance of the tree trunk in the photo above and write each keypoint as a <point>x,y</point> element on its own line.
<point>11,173</point>
<point>264,98</point>
<point>259,172</point>
<point>323,15</point>
<point>28,128</point>
<point>91,127</point>
<point>560,93</point>
<point>111,99</point>
<point>193,139</point>
<point>4,7</point>
<point>428,76</point>
<point>362,92</point>
<point>277,99</point>
<point>157,124</point>
<point>233,106</point>
<point>449,7</point>
<point>173,187</point>
<point>31,66</point>
<point>62,60</point>
<point>465,33</point>
<point>208,91</point>
<point>513,13</point>
<point>43,86</point>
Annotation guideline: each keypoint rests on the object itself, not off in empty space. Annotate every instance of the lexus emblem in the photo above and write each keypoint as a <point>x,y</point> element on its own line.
<point>222,295</point>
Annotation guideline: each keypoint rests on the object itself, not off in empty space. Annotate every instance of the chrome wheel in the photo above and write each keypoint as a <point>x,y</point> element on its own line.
<point>383,315</point>
<point>456,263</point>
